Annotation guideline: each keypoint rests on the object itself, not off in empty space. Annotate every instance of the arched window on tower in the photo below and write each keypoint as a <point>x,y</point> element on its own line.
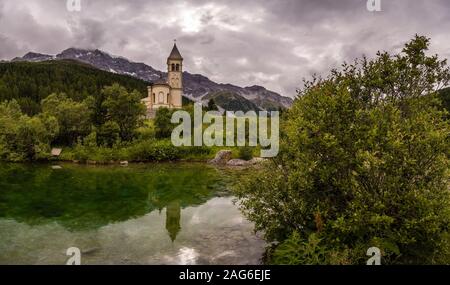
<point>177,67</point>
<point>173,66</point>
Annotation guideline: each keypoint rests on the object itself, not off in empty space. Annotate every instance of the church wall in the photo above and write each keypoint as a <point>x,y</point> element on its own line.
<point>161,92</point>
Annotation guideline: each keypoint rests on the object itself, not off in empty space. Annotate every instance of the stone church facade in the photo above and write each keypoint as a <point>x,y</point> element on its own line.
<point>167,93</point>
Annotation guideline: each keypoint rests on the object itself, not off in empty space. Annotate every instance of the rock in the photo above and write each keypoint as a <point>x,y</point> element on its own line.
<point>238,162</point>
<point>56,167</point>
<point>241,162</point>
<point>56,152</point>
<point>124,163</point>
<point>93,162</point>
<point>257,160</point>
<point>222,157</point>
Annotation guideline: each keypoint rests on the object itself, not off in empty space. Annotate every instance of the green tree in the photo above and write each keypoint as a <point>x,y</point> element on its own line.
<point>125,109</point>
<point>212,105</point>
<point>31,82</point>
<point>363,163</point>
<point>74,118</point>
<point>22,137</point>
<point>163,126</point>
<point>108,134</point>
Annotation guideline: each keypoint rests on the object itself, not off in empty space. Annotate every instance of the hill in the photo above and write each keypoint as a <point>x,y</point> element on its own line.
<point>29,83</point>
<point>231,101</point>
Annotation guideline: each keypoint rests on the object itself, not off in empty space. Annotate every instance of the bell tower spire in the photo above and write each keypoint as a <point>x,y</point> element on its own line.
<point>175,75</point>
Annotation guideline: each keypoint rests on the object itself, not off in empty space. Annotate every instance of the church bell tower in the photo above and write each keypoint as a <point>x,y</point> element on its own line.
<point>175,76</point>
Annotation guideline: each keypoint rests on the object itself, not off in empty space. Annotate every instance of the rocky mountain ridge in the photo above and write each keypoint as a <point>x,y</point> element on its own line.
<point>196,86</point>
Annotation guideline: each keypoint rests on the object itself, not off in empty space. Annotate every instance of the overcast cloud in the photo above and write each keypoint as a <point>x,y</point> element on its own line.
<point>273,43</point>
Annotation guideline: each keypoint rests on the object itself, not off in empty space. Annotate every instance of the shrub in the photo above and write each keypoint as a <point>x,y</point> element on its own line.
<point>311,251</point>
<point>363,162</point>
<point>73,117</point>
<point>146,132</point>
<point>153,150</point>
<point>246,153</point>
<point>23,137</point>
<point>108,134</point>
<point>163,126</point>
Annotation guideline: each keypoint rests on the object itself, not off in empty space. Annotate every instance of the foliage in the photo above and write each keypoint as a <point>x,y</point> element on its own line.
<point>147,131</point>
<point>22,137</point>
<point>246,153</point>
<point>444,96</point>
<point>153,150</point>
<point>163,126</point>
<point>311,251</point>
<point>124,108</point>
<point>363,163</point>
<point>31,82</point>
<point>73,117</point>
<point>212,105</point>
<point>108,134</point>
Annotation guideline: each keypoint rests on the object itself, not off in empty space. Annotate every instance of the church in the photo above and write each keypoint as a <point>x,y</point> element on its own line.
<point>167,93</point>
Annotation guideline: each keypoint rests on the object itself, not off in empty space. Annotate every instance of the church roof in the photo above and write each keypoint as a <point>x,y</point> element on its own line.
<point>175,54</point>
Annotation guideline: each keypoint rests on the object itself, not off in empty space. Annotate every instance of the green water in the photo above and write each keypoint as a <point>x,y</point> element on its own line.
<point>142,214</point>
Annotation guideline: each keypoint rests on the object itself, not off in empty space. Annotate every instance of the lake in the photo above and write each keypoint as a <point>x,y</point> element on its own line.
<point>170,213</point>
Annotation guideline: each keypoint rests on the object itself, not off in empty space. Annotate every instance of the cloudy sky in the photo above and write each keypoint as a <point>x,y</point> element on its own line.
<point>273,43</point>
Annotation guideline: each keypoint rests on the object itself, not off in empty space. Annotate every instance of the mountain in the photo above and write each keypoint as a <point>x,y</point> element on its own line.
<point>34,57</point>
<point>196,86</point>
<point>231,101</point>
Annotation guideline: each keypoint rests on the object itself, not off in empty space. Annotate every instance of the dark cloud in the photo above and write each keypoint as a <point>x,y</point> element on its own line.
<point>8,48</point>
<point>268,42</point>
<point>89,33</point>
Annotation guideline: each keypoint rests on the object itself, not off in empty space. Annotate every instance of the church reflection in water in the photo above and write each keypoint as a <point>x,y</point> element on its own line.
<point>173,217</point>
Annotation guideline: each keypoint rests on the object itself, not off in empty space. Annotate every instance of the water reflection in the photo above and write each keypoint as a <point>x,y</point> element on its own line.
<point>212,233</point>
<point>150,214</point>
<point>173,217</point>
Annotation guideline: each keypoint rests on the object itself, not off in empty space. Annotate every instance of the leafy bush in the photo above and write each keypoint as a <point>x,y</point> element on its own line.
<point>246,153</point>
<point>73,117</point>
<point>153,150</point>
<point>163,126</point>
<point>147,131</point>
<point>108,134</point>
<point>298,251</point>
<point>363,163</point>
<point>24,138</point>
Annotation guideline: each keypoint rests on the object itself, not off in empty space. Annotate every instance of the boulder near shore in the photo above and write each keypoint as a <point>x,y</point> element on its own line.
<point>223,157</point>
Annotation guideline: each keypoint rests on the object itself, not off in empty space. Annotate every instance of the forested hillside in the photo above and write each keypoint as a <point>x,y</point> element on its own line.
<point>231,101</point>
<point>29,83</point>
